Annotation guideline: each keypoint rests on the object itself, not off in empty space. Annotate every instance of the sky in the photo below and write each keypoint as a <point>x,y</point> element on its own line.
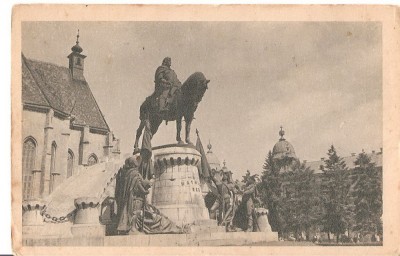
<point>322,81</point>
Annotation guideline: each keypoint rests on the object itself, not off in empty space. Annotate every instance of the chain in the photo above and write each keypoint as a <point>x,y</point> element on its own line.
<point>62,219</point>
<point>49,218</point>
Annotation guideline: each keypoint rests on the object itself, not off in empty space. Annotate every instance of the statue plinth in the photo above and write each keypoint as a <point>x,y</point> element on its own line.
<point>32,220</point>
<point>86,222</point>
<point>176,190</point>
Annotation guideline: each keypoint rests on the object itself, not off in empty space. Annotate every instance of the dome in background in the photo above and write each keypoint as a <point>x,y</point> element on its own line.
<point>212,159</point>
<point>283,148</point>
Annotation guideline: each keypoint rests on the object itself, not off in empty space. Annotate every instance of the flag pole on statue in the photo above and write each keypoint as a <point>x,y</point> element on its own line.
<point>205,166</point>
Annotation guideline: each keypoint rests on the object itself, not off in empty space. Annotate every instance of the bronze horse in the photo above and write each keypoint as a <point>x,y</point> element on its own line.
<point>185,103</point>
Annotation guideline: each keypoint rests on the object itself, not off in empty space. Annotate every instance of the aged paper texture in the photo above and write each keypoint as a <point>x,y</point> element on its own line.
<point>318,75</point>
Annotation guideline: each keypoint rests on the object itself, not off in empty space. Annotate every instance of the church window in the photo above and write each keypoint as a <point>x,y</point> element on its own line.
<point>52,164</point>
<point>28,164</point>
<point>92,160</point>
<point>70,163</point>
<point>78,61</point>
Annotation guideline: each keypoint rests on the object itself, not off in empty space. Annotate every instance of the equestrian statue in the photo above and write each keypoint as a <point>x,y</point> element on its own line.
<point>171,101</point>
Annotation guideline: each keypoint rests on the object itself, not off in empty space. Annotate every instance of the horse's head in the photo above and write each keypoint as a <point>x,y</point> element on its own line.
<point>195,87</point>
<point>200,90</point>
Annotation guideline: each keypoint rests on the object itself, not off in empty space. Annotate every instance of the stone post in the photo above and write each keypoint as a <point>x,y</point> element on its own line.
<point>32,220</point>
<point>262,220</point>
<point>86,222</point>
<point>176,191</point>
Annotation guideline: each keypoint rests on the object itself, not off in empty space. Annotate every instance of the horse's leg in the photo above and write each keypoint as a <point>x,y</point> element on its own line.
<point>155,124</point>
<point>178,129</point>
<point>188,122</point>
<point>138,134</point>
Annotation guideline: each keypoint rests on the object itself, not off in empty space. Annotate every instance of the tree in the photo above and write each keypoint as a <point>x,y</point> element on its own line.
<point>291,195</point>
<point>367,196</point>
<point>308,200</point>
<point>301,202</point>
<point>270,193</point>
<point>336,195</point>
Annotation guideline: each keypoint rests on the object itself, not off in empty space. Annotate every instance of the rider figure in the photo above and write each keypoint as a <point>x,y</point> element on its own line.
<point>165,79</point>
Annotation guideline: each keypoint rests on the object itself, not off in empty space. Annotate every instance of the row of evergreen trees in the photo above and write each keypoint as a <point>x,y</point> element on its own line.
<point>338,201</point>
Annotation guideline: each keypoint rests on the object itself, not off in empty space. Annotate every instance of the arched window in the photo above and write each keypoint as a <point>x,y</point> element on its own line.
<point>28,164</point>
<point>52,164</point>
<point>92,160</point>
<point>70,163</point>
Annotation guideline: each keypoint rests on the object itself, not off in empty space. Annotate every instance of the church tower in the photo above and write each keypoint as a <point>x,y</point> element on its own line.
<point>76,61</point>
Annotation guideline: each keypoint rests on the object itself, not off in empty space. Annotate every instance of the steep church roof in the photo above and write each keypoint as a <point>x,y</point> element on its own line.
<point>49,85</point>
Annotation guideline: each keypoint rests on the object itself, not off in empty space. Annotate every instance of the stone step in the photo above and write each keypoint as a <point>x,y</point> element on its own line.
<point>206,229</point>
<point>201,239</point>
<point>220,242</point>
<point>207,222</point>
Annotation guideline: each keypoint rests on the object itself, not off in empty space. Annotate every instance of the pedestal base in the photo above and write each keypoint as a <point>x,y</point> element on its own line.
<point>184,214</point>
<point>32,231</point>
<point>176,191</point>
<point>88,230</point>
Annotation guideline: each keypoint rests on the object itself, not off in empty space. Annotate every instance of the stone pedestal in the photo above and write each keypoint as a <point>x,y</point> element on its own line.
<point>86,222</point>
<point>31,213</point>
<point>262,220</point>
<point>32,220</point>
<point>176,191</point>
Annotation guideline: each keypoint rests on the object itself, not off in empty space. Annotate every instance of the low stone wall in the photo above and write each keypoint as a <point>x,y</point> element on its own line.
<point>64,241</point>
<point>202,239</point>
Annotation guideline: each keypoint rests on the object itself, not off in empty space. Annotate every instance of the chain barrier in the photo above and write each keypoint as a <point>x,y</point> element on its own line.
<point>62,219</point>
<point>52,219</point>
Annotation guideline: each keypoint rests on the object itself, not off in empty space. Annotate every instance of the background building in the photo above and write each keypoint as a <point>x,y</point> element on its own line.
<point>63,127</point>
<point>335,195</point>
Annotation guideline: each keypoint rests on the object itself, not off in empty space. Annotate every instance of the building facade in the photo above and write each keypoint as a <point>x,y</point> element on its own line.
<point>63,127</point>
<point>283,155</point>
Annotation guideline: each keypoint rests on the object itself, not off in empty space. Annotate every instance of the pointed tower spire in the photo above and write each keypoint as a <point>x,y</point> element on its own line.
<point>76,60</point>
<point>77,48</point>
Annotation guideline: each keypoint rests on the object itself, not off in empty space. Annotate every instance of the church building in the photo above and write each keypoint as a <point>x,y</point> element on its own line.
<point>63,128</point>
